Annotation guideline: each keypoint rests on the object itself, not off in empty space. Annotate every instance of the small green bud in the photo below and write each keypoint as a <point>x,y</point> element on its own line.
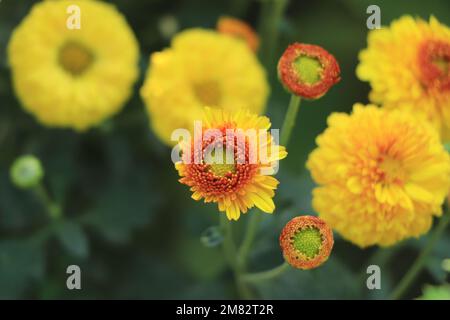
<point>26,172</point>
<point>446,265</point>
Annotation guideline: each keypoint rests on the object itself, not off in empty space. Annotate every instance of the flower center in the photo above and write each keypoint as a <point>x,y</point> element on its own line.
<point>215,177</point>
<point>208,93</point>
<point>308,241</point>
<point>220,170</point>
<point>392,170</point>
<point>308,69</point>
<point>75,58</point>
<point>434,59</point>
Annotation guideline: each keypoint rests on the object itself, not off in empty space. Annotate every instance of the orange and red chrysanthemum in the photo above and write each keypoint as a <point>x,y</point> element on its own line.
<point>242,183</point>
<point>408,67</point>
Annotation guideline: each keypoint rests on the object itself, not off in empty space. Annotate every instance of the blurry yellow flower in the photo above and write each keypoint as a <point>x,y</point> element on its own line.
<point>202,68</point>
<point>382,175</point>
<point>407,66</point>
<point>73,77</point>
<point>239,185</point>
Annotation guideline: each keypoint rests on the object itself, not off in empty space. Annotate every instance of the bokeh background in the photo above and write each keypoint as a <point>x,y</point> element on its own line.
<point>128,223</point>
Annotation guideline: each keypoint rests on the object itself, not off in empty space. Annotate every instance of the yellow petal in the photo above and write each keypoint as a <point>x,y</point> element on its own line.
<point>354,185</point>
<point>264,203</point>
<point>418,193</point>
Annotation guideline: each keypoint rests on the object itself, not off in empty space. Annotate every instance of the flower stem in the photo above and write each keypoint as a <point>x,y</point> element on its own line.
<point>250,234</point>
<point>289,120</point>
<point>228,244</point>
<point>271,14</point>
<point>266,275</point>
<point>53,209</point>
<point>417,266</point>
<point>230,253</point>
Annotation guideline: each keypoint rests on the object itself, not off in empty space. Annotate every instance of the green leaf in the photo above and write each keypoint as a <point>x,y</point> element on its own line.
<point>149,277</point>
<point>330,281</point>
<point>436,293</point>
<point>73,238</point>
<point>201,262</point>
<point>17,207</point>
<point>122,208</point>
<point>439,253</point>
<point>21,265</point>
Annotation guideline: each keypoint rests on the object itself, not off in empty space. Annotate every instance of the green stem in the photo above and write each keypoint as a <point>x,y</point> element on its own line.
<point>228,244</point>
<point>230,253</point>
<point>53,209</point>
<point>417,266</point>
<point>252,227</point>
<point>266,275</point>
<point>289,120</point>
<point>271,15</point>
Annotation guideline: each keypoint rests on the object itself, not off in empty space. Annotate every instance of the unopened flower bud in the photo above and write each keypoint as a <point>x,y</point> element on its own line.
<point>306,242</point>
<point>26,172</point>
<point>307,70</point>
<point>239,29</point>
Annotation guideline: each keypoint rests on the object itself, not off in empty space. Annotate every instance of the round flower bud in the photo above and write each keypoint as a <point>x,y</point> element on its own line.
<point>239,29</point>
<point>26,172</point>
<point>307,70</point>
<point>306,242</point>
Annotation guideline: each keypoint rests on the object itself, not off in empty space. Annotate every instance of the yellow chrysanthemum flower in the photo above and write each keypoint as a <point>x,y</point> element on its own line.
<point>246,181</point>
<point>73,77</point>
<point>202,68</point>
<point>382,175</point>
<point>407,66</point>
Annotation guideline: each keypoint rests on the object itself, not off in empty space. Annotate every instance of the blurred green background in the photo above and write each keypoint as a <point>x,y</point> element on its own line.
<point>128,223</point>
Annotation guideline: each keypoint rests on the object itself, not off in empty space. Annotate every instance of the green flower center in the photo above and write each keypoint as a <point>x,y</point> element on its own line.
<point>309,69</point>
<point>208,93</point>
<point>220,170</point>
<point>308,241</point>
<point>75,58</point>
<point>442,64</point>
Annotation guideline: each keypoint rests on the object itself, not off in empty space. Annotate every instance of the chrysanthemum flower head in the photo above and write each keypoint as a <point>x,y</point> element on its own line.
<point>382,175</point>
<point>307,70</point>
<point>201,68</point>
<point>407,65</point>
<point>306,242</point>
<point>73,77</point>
<point>244,179</point>
<point>239,29</point>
